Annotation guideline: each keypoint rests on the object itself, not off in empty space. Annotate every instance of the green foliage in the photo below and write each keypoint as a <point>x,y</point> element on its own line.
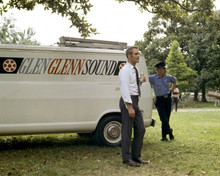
<point>204,52</point>
<point>173,9</point>
<point>199,42</point>
<point>178,68</point>
<point>76,10</point>
<point>204,49</point>
<point>9,34</point>
<point>157,41</point>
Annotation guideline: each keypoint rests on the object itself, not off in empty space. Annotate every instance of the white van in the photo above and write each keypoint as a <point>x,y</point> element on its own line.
<point>65,89</point>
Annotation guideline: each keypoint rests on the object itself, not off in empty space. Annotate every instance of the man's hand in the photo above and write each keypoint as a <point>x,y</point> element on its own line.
<point>171,90</point>
<point>173,87</point>
<point>131,111</point>
<point>143,78</point>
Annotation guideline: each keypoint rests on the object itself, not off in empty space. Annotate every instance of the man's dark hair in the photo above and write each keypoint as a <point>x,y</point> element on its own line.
<point>130,50</point>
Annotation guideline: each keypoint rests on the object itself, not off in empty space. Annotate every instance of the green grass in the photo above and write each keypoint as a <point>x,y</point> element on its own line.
<point>198,104</point>
<point>195,151</point>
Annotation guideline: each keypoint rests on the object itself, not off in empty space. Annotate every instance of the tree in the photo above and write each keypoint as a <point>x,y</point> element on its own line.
<point>199,42</point>
<point>204,53</point>
<point>10,35</point>
<point>176,9</point>
<point>157,41</point>
<point>76,10</point>
<point>178,68</point>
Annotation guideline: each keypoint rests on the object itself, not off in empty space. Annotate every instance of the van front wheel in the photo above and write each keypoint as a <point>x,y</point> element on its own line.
<point>108,132</point>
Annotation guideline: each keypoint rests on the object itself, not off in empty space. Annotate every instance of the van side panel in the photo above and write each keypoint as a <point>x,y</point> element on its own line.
<point>42,103</point>
<point>52,90</point>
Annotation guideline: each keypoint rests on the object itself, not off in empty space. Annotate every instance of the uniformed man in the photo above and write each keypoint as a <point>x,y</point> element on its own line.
<point>160,83</point>
<point>131,114</point>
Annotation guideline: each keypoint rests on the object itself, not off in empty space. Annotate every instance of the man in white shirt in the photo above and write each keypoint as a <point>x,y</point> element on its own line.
<point>131,114</point>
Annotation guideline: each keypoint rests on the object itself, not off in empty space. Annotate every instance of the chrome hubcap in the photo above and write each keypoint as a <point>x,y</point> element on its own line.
<point>112,132</point>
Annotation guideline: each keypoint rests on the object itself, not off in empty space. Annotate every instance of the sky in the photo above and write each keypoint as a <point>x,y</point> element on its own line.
<point>121,22</point>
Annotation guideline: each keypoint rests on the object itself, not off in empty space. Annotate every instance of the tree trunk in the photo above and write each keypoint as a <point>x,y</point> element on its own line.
<point>196,92</point>
<point>204,93</point>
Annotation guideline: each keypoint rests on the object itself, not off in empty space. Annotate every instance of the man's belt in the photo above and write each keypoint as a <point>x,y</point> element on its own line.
<point>164,96</point>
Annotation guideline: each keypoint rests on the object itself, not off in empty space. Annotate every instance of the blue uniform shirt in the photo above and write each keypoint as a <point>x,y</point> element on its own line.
<point>161,85</point>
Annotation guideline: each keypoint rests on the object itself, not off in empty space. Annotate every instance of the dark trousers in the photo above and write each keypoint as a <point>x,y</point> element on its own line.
<point>175,103</point>
<point>163,106</point>
<point>139,130</point>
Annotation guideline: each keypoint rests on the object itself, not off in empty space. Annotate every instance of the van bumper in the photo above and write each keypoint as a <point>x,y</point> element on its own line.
<point>149,122</point>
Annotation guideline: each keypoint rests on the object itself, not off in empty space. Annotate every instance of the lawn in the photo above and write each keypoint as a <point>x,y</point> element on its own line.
<point>195,151</point>
<point>197,104</point>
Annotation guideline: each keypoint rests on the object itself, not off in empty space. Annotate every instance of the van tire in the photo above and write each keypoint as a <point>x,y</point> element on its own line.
<point>108,132</point>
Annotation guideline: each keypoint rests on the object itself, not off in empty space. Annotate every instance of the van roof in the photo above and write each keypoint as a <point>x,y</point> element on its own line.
<point>57,48</point>
<point>91,43</point>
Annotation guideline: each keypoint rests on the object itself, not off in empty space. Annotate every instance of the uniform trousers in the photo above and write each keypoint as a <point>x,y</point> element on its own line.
<point>139,130</point>
<point>163,105</point>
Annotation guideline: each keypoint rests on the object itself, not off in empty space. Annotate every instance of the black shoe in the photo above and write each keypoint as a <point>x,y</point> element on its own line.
<point>164,139</point>
<point>171,134</point>
<point>132,163</point>
<point>139,160</point>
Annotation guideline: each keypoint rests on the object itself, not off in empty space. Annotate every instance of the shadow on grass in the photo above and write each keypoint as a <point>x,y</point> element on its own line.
<point>45,141</point>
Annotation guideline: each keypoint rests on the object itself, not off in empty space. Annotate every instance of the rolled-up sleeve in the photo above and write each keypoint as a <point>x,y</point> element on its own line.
<point>124,85</point>
<point>172,79</point>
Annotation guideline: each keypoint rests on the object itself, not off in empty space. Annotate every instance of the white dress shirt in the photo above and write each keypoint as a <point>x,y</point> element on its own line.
<point>128,82</point>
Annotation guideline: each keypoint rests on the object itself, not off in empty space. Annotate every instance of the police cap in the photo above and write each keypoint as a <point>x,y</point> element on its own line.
<point>161,65</point>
